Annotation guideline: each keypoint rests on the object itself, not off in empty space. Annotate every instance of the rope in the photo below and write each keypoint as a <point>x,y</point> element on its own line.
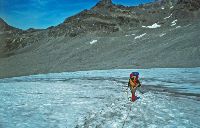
<point>128,111</point>
<point>127,117</point>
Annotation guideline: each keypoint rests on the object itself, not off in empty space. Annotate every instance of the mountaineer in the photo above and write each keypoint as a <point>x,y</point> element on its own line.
<point>133,84</point>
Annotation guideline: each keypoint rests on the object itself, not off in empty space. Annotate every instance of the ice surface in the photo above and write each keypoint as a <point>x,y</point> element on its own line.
<point>99,98</point>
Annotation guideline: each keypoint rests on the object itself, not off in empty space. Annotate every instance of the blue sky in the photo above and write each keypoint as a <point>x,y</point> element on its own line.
<point>26,14</point>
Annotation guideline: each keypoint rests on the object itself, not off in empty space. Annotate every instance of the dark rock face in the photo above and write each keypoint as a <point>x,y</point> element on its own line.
<point>187,9</point>
<point>12,39</point>
<point>191,5</point>
<point>8,36</point>
<point>104,17</point>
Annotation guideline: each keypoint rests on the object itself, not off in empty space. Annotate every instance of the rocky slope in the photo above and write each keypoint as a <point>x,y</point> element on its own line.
<point>159,34</point>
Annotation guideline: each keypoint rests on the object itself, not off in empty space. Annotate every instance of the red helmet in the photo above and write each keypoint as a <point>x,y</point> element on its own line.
<point>134,74</point>
<point>131,75</point>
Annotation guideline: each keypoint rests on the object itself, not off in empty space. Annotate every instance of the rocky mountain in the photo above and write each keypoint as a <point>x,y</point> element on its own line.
<point>164,33</point>
<point>5,27</point>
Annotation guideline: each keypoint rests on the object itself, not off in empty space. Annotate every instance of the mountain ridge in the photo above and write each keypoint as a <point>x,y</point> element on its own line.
<point>105,37</point>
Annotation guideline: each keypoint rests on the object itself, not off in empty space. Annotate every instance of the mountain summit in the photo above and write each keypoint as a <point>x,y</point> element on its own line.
<point>106,2</point>
<point>1,21</point>
<point>5,27</point>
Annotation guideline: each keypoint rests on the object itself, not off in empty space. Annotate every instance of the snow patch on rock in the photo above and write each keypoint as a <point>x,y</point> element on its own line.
<point>129,35</point>
<point>93,41</point>
<point>140,36</point>
<point>155,25</point>
<point>168,16</point>
<point>161,35</point>
<point>174,22</point>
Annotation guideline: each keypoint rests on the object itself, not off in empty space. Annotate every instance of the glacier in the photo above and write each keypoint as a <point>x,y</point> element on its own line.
<point>169,97</point>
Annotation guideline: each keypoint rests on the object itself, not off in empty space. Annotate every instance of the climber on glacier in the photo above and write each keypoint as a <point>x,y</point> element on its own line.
<point>133,84</point>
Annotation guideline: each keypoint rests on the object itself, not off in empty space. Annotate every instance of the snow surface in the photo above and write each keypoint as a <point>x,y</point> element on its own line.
<point>99,98</point>
<point>155,25</point>
<point>140,36</point>
<point>93,41</point>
